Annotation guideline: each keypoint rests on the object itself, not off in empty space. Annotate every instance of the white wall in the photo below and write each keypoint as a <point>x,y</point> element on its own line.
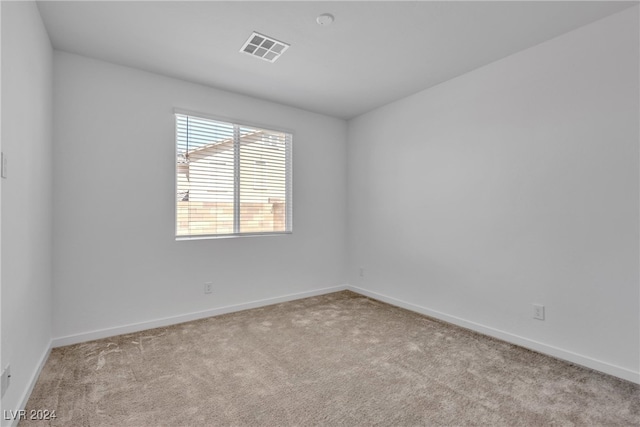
<point>26,197</point>
<point>116,261</point>
<point>1,363</point>
<point>514,184</point>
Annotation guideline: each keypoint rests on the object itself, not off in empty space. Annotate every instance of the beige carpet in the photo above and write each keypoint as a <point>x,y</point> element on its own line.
<point>335,360</point>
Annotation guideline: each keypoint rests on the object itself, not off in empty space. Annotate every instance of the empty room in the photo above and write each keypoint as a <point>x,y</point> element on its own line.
<point>320,213</point>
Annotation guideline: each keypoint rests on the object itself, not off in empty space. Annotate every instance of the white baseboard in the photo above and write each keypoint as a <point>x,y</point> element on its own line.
<point>549,350</point>
<point>167,321</point>
<point>553,351</point>
<point>32,383</point>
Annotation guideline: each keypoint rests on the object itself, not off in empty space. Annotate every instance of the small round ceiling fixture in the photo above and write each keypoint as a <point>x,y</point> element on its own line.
<point>325,19</point>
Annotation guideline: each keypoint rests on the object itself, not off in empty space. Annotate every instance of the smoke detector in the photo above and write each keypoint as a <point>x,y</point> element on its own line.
<point>264,47</point>
<point>325,19</point>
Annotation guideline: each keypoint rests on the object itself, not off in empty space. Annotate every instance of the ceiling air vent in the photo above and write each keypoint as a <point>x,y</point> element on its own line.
<point>264,47</point>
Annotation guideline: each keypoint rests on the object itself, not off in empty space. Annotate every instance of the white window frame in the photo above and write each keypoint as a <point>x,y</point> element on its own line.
<point>288,178</point>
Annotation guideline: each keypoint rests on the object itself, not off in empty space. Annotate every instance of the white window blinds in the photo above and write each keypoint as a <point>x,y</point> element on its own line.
<point>231,179</point>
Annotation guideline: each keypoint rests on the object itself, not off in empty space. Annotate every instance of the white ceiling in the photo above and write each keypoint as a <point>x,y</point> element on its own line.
<point>374,53</point>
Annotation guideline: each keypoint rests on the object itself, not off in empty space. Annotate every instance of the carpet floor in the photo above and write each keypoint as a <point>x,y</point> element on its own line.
<point>337,360</point>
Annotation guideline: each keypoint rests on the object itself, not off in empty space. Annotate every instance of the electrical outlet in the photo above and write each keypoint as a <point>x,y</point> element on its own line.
<point>5,380</point>
<point>208,287</point>
<point>361,272</point>
<point>538,311</point>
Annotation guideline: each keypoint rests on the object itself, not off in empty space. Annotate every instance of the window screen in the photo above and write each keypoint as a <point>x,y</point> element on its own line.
<point>231,179</point>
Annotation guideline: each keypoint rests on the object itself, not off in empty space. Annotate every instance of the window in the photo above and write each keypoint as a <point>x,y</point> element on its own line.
<point>231,179</point>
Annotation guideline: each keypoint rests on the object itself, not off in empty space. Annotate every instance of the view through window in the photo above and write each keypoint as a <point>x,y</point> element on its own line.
<point>231,179</point>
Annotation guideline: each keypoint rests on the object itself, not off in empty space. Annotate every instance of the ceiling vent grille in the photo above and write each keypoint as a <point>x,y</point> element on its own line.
<point>264,47</point>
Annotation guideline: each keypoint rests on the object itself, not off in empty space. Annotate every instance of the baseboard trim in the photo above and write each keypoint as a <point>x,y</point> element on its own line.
<point>549,350</point>
<point>172,320</point>
<point>32,383</point>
